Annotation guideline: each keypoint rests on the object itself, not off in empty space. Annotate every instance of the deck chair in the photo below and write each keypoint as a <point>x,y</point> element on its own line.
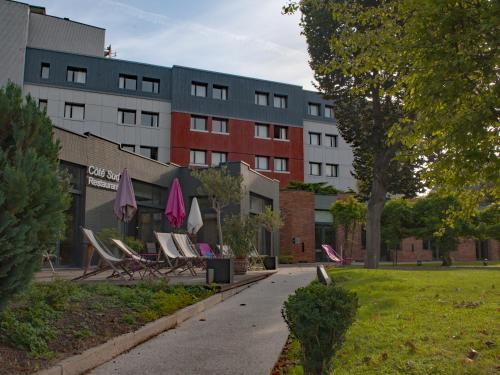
<point>225,252</point>
<point>145,265</point>
<point>173,257</point>
<point>334,257</point>
<point>187,247</point>
<point>119,266</point>
<point>254,258</point>
<point>205,250</point>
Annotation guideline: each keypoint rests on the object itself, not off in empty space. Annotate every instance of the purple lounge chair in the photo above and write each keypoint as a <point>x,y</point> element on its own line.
<point>206,250</point>
<point>334,257</point>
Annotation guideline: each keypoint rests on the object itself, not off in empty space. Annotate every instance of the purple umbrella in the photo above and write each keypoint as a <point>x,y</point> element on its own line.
<point>125,204</point>
<point>175,211</point>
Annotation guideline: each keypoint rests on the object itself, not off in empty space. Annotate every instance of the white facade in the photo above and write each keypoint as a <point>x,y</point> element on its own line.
<point>101,116</point>
<point>324,154</point>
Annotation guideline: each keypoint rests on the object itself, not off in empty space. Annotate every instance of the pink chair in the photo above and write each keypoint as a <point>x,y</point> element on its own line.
<point>334,257</point>
<point>206,250</point>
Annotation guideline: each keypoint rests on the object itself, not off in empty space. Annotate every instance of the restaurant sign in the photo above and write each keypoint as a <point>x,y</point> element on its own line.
<point>102,178</point>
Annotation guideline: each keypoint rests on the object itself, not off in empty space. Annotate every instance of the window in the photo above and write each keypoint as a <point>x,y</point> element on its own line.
<point>199,123</point>
<point>280,101</point>
<point>219,92</point>
<point>126,116</point>
<point>332,170</point>
<point>328,111</point>
<point>130,148</point>
<point>199,89</point>
<point>315,139</point>
<point>151,85</point>
<point>149,119</point>
<point>42,104</point>
<point>127,82</point>
<point>149,152</point>
<point>280,132</point>
<point>197,157</point>
<point>280,165</point>
<point>262,163</point>
<point>261,131</point>
<point>331,140</point>
<point>77,75</point>
<point>313,109</point>
<point>74,111</point>
<point>219,125</point>
<point>218,158</point>
<point>45,71</point>
<point>261,98</point>
<point>315,169</point>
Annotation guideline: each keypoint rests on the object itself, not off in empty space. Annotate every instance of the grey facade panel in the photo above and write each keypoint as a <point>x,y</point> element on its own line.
<point>316,98</point>
<point>14,18</point>
<point>241,97</point>
<point>102,73</point>
<point>60,34</point>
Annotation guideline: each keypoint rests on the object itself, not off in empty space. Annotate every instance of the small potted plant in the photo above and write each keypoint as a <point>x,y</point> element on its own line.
<point>240,233</point>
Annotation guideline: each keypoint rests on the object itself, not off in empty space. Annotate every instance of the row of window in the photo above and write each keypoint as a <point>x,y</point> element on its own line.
<point>147,151</point>
<point>331,140</point>
<point>219,92</point>
<point>125,81</point>
<point>76,111</point>
<point>199,157</point>
<point>330,170</point>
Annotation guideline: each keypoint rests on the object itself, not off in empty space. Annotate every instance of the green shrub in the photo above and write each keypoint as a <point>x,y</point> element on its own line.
<point>285,259</point>
<point>319,317</point>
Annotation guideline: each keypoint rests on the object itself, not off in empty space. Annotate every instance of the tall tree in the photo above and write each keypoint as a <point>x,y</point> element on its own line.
<point>451,48</point>
<point>33,193</point>
<point>350,47</point>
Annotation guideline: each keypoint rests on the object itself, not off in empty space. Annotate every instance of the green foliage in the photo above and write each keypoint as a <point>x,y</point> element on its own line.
<point>320,188</point>
<point>241,233</point>
<point>221,189</point>
<point>350,48</point>
<point>420,322</point>
<point>319,317</point>
<point>270,220</point>
<point>106,234</point>
<point>285,259</point>
<point>29,322</point>
<point>431,220</point>
<point>397,221</point>
<point>451,86</point>
<point>33,192</point>
<point>348,214</point>
<point>487,223</point>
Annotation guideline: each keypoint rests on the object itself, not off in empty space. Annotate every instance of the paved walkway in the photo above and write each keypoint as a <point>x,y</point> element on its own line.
<point>242,335</point>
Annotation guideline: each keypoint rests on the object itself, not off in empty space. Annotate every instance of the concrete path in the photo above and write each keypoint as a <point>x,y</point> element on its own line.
<point>242,335</point>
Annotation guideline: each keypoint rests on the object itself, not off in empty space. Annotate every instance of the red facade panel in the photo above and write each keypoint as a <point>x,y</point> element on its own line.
<point>239,144</point>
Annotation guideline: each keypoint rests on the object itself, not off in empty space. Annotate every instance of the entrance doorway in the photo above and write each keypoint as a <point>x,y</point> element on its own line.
<point>482,250</point>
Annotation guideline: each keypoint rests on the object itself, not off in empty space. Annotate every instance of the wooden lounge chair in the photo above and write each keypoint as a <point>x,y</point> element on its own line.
<point>119,266</point>
<point>146,265</point>
<point>187,248</point>
<point>173,257</point>
<point>205,250</point>
<point>255,259</point>
<point>225,252</point>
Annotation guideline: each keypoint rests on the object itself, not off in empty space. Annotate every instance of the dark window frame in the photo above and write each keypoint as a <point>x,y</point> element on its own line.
<point>258,95</point>
<point>122,112</point>
<point>44,66</point>
<point>319,138</point>
<point>313,105</point>
<point>155,83</point>
<point>193,122</point>
<point>311,164</point>
<point>153,115</point>
<point>335,140</point>
<point>153,152</point>
<point>72,105</point>
<point>126,78</point>
<point>281,99</point>
<point>222,121</point>
<point>224,90</point>
<point>70,72</point>
<point>195,85</point>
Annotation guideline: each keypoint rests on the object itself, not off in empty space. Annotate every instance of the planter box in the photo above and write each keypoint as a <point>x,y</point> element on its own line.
<point>270,263</point>
<point>223,270</point>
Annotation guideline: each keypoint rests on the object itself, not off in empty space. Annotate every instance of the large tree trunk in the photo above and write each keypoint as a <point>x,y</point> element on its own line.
<point>373,218</point>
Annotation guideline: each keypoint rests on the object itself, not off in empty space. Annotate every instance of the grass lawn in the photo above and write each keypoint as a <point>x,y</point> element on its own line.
<point>477,263</point>
<point>49,322</point>
<point>422,322</point>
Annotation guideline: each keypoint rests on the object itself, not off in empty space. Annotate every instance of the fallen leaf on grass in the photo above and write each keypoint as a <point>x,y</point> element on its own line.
<point>472,354</point>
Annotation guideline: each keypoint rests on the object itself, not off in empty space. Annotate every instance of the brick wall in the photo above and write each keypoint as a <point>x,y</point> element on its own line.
<point>412,250</point>
<point>297,208</point>
<point>494,250</point>
<point>466,251</point>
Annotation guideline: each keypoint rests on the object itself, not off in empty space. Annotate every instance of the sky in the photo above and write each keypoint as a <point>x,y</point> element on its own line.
<point>245,37</point>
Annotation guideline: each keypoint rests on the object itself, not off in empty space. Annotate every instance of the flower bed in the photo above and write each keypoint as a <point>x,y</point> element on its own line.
<point>49,322</point>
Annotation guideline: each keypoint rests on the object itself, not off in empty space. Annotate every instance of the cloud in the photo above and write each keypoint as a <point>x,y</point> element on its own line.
<point>242,37</point>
